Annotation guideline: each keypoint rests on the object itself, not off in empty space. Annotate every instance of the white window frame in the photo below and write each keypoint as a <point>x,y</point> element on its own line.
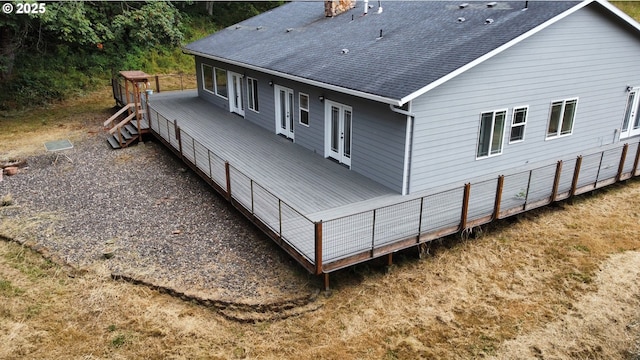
<point>301,109</point>
<point>523,125</point>
<point>493,124</point>
<point>632,113</point>
<point>213,79</point>
<point>252,94</point>
<point>559,133</point>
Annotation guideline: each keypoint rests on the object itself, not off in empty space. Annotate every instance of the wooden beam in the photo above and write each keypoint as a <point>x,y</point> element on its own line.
<point>623,158</point>
<point>318,246</point>
<point>556,181</point>
<point>465,206</point>
<point>576,175</point>
<point>496,205</point>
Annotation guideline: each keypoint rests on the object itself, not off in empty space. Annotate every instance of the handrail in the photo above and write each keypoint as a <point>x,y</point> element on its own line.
<point>122,123</point>
<point>115,116</point>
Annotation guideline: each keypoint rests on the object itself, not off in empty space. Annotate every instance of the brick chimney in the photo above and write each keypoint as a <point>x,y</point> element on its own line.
<point>337,7</point>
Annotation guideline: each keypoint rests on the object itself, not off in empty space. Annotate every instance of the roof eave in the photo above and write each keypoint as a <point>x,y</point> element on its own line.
<point>511,43</point>
<point>320,84</point>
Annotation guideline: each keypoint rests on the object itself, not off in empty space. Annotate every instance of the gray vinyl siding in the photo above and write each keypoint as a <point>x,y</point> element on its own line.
<point>378,133</point>
<point>585,56</point>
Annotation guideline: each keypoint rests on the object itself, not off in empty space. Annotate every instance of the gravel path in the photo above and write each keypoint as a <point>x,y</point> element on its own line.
<point>169,228</point>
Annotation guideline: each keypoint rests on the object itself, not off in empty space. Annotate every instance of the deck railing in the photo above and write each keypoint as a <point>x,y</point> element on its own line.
<point>328,245</point>
<point>288,226</point>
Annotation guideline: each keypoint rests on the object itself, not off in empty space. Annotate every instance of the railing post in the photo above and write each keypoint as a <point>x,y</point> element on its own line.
<point>635,163</point>
<point>157,84</point>
<point>465,206</point>
<point>420,219</point>
<point>623,158</point>
<point>576,175</point>
<point>526,196</point>
<point>556,181</point>
<point>193,146</point>
<point>318,246</point>
<point>252,211</point>
<point>373,232</point>
<point>280,219</point>
<point>595,183</point>
<point>176,130</point>
<point>209,158</point>
<point>227,172</point>
<point>496,206</point>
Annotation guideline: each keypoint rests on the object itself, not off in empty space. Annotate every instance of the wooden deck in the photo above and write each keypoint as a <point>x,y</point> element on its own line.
<point>305,180</point>
<point>328,217</point>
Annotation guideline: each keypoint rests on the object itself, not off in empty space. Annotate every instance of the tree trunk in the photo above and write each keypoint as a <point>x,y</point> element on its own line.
<point>7,52</point>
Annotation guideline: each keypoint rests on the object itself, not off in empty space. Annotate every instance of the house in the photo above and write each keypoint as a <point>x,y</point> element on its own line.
<point>348,131</point>
<point>419,95</point>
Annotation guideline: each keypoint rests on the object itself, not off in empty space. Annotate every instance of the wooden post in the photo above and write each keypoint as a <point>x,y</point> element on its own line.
<point>373,232</point>
<point>326,282</point>
<point>420,220</point>
<point>280,219</point>
<point>318,254</point>
<point>496,206</point>
<point>465,206</point>
<point>193,146</point>
<point>623,157</point>
<point>157,84</point>
<point>126,92</point>
<point>526,196</point>
<point>146,95</point>
<point>176,130</point>
<point>556,181</point>
<point>635,163</point>
<point>227,172</point>
<point>389,259</point>
<point>576,175</point>
<point>252,211</point>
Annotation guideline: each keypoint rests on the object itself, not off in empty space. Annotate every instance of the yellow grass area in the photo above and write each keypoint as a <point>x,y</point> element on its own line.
<point>557,283</point>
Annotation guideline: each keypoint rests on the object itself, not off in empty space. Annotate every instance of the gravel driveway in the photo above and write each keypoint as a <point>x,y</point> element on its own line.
<point>168,227</point>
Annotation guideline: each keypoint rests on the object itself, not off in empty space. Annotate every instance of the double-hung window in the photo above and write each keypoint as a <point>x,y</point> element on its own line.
<point>518,123</point>
<point>491,134</point>
<point>561,118</point>
<point>303,104</point>
<point>207,77</point>
<point>252,93</point>
<point>221,83</point>
<point>631,122</point>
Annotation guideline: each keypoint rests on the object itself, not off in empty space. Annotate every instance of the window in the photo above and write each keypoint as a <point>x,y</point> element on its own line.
<point>252,93</point>
<point>631,122</point>
<point>561,118</point>
<point>491,133</point>
<point>518,122</point>
<point>304,108</point>
<point>207,77</point>
<point>221,82</point>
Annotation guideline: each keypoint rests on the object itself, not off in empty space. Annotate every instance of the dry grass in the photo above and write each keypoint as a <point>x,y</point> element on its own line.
<point>560,283</point>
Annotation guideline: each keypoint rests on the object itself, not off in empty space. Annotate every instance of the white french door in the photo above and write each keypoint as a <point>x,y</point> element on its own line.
<point>284,111</point>
<point>337,134</point>
<point>631,121</point>
<point>236,99</point>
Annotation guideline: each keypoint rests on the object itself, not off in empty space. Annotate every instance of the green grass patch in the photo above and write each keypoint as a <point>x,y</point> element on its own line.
<point>7,289</point>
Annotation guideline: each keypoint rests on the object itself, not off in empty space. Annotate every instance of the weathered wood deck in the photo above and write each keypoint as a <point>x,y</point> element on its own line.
<point>328,217</point>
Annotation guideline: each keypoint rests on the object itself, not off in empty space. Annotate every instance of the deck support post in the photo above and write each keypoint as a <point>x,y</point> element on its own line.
<point>623,157</point>
<point>576,175</point>
<point>227,173</point>
<point>496,206</point>
<point>176,130</point>
<point>326,281</point>
<point>318,246</point>
<point>157,84</point>
<point>636,162</point>
<point>373,232</point>
<point>389,259</point>
<point>595,183</point>
<point>556,181</point>
<point>465,206</point>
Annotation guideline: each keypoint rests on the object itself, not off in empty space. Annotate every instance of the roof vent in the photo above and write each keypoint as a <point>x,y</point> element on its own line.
<point>463,5</point>
<point>461,19</point>
<point>259,27</point>
<point>289,30</point>
<point>345,51</point>
<point>488,21</point>
<point>492,4</point>
<point>238,27</point>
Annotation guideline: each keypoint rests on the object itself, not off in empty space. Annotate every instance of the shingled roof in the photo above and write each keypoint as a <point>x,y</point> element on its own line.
<point>422,43</point>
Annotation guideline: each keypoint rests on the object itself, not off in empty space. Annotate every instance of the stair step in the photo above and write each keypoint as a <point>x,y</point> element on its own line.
<point>113,142</point>
<point>125,134</point>
<point>131,129</point>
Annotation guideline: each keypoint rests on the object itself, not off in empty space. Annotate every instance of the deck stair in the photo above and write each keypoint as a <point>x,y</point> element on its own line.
<point>128,130</point>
